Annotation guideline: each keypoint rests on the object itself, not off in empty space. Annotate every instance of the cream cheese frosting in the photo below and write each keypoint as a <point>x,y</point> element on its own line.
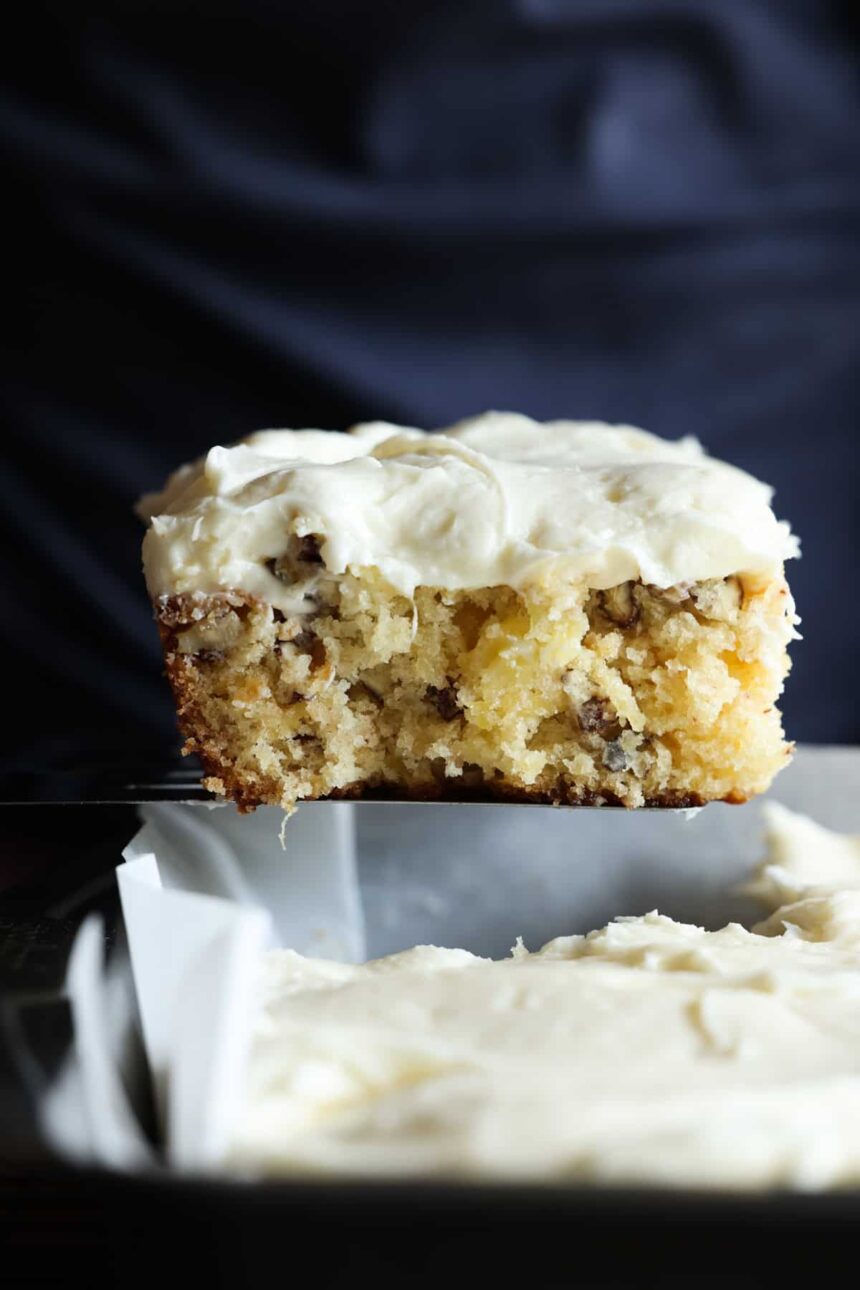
<point>650,1051</point>
<point>491,501</point>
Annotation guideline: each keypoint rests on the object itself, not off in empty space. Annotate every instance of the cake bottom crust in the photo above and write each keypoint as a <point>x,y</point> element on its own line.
<point>634,696</point>
<point>221,779</point>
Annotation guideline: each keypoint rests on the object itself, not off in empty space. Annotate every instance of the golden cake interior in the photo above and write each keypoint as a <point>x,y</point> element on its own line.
<point>633,695</point>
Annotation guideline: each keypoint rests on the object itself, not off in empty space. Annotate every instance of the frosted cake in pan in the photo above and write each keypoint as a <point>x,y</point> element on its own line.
<point>649,1052</point>
<point>564,612</point>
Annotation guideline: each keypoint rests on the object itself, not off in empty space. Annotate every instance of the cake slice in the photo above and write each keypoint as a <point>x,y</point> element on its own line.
<point>566,612</point>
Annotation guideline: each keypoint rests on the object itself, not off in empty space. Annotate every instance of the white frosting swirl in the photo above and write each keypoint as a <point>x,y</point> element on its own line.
<point>490,501</point>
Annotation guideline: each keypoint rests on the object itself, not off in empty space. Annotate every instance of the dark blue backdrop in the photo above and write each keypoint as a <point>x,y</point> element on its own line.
<point>220,216</point>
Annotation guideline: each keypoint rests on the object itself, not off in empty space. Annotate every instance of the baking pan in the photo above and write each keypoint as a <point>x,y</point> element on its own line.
<point>466,876</point>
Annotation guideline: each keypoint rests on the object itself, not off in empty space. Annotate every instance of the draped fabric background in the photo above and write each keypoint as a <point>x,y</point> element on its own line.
<point>222,216</point>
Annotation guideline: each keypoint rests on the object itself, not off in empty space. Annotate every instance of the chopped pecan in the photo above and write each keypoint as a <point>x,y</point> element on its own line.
<point>301,550</point>
<point>619,604</point>
<point>188,610</point>
<point>360,689</point>
<point>308,643</point>
<point>308,549</point>
<point>277,569</point>
<point>597,716</point>
<point>318,654</point>
<point>614,757</point>
<point>444,700</point>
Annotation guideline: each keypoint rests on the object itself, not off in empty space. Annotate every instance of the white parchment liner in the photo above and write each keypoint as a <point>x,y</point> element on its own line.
<point>204,894</point>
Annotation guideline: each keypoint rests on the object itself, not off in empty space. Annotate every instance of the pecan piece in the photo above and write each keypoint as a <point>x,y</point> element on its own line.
<point>308,549</point>
<point>208,655</point>
<point>301,550</point>
<point>619,605</point>
<point>614,757</point>
<point>360,689</point>
<point>444,700</point>
<point>277,569</point>
<point>597,716</point>
<point>308,643</point>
